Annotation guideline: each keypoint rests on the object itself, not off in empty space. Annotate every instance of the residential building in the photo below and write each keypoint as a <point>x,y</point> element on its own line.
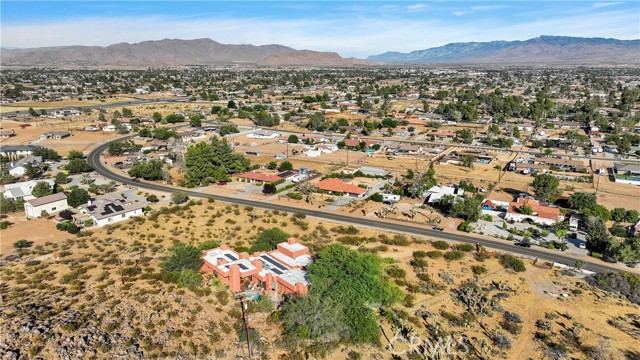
<point>627,174</point>
<point>434,194</point>
<point>50,204</point>
<point>17,168</point>
<point>56,135</point>
<point>282,270</point>
<point>5,134</point>
<point>563,164</point>
<point>14,152</point>
<point>541,214</point>
<point>257,177</point>
<point>263,135</point>
<point>108,209</point>
<point>337,186</point>
<point>22,190</point>
<point>372,171</point>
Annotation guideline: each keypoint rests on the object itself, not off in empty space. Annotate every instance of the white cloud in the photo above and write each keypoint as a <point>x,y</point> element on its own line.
<point>417,7</point>
<point>460,13</point>
<point>604,4</point>
<point>347,34</point>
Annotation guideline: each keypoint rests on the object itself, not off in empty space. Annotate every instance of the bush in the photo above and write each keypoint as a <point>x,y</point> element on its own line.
<point>512,262</point>
<point>419,254</point>
<point>377,197</point>
<point>209,244</point>
<point>4,224</point>
<point>623,282</point>
<point>465,247</point>
<point>453,255</point>
<point>179,197</point>
<point>435,254</point>
<point>153,198</point>
<point>440,244</point>
<point>295,196</point>
<point>478,269</point>
<point>22,244</point>
<point>396,272</point>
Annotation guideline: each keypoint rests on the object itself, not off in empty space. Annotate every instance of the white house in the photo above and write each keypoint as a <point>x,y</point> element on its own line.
<point>540,214</point>
<point>22,190</point>
<point>17,151</point>
<point>50,203</point>
<point>372,171</point>
<point>264,135</point>
<point>110,209</point>
<point>18,168</point>
<point>436,193</point>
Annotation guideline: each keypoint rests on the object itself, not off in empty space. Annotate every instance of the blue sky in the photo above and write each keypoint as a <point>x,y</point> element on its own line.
<point>351,28</point>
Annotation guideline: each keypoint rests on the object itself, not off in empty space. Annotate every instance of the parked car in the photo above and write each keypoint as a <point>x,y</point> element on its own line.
<point>582,245</point>
<point>221,183</point>
<point>523,244</point>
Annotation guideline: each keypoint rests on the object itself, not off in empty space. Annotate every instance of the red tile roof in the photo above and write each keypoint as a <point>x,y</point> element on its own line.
<point>336,185</point>
<point>542,211</point>
<point>256,176</point>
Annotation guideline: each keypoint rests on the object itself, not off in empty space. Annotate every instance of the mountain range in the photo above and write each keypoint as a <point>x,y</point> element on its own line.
<point>543,49</point>
<point>170,52</point>
<point>175,52</point>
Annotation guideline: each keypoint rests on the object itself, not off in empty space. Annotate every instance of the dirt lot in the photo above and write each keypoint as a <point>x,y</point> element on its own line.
<point>199,317</point>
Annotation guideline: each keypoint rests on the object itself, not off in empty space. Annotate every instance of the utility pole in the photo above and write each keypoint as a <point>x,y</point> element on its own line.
<point>243,306</point>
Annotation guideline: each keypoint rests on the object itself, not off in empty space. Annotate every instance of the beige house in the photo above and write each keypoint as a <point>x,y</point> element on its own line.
<point>50,204</point>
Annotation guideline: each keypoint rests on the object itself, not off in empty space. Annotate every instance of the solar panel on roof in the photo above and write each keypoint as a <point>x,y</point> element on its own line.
<point>276,271</point>
<point>273,262</point>
<point>242,266</point>
<point>231,257</point>
<point>285,174</point>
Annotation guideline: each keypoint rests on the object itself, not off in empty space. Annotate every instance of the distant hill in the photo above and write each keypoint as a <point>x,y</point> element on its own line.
<point>169,52</point>
<point>543,49</point>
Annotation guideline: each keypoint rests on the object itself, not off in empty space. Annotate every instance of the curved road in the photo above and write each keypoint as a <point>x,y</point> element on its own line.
<point>96,160</point>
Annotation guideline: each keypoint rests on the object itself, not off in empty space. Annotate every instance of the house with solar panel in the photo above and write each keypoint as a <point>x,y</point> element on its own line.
<point>282,270</point>
<point>107,209</point>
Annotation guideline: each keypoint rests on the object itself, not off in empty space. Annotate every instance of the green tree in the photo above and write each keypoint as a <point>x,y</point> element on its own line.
<point>464,136</point>
<point>157,117</point>
<point>41,189</point>
<point>61,178</point>
<point>149,170</point>
<point>268,239</point>
<point>77,196</point>
<point>231,104</point>
<point>285,165</point>
<point>467,208</point>
<point>545,186</point>
<point>468,161</point>
<point>77,166</point>
<point>195,120</point>
<point>347,287</point>
<point>163,133</point>
<point>272,165</point>
<point>598,238</point>
<point>181,257</point>
<point>179,197</point>
<point>293,139</point>
<point>174,118</point>
<point>213,162</point>
<point>117,148</point>
<point>582,200</point>
<point>525,209</point>
<point>618,214</point>
<point>47,154</point>
<point>598,211</point>
<point>153,198</point>
<point>126,112</point>
<point>269,188</point>
<point>631,216</point>
<point>75,154</point>
<point>228,128</point>
<point>190,279</point>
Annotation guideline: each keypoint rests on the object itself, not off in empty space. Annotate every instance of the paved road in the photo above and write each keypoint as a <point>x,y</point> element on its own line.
<point>97,161</point>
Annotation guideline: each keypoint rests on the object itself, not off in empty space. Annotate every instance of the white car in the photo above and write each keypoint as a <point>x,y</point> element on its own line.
<point>582,245</point>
